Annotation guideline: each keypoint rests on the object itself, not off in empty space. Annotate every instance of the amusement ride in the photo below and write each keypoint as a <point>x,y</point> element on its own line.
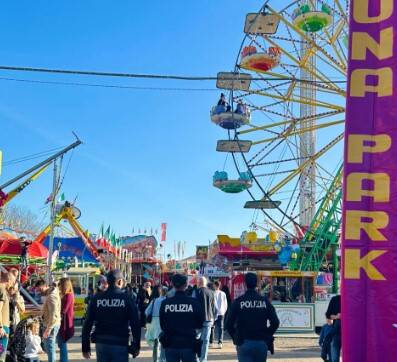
<point>283,115</point>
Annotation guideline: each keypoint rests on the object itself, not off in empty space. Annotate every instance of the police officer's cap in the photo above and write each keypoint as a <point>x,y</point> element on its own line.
<point>179,280</point>
<point>114,275</point>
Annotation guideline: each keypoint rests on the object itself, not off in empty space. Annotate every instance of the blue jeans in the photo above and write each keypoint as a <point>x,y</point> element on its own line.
<point>50,344</point>
<point>205,337</point>
<point>158,352</point>
<point>4,344</point>
<point>63,349</point>
<point>252,351</point>
<point>219,328</point>
<point>179,355</point>
<point>335,348</point>
<point>111,353</point>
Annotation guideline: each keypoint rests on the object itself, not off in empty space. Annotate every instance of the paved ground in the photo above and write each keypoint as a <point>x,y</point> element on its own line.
<point>288,349</point>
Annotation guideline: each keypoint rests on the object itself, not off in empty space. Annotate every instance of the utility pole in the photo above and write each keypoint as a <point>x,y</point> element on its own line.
<point>53,215</point>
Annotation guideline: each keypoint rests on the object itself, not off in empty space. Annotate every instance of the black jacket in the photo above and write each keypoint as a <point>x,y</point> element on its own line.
<point>334,308</point>
<point>112,313</point>
<point>180,316</point>
<point>248,319</point>
<point>206,298</point>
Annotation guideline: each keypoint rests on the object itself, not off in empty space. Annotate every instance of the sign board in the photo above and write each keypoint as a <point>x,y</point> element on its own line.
<point>233,81</point>
<point>369,217</point>
<point>201,252</point>
<point>295,317</point>
<point>214,271</point>
<point>261,23</point>
<point>262,204</point>
<point>233,146</point>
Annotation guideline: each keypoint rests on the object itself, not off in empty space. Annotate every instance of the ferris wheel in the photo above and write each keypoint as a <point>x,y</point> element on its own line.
<point>284,110</point>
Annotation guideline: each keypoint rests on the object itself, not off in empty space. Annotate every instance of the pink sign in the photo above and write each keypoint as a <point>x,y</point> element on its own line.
<point>369,274</point>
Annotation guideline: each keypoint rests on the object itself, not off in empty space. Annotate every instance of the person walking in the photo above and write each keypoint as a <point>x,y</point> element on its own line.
<point>333,313</point>
<point>180,316</point>
<point>51,314</point>
<point>112,312</point>
<point>206,298</point>
<point>153,330</point>
<point>144,298</point>
<point>251,323</point>
<point>66,330</point>
<point>17,306</point>
<point>221,306</point>
<point>4,315</point>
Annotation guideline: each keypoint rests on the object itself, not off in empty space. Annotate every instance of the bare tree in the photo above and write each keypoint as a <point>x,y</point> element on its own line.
<point>20,219</point>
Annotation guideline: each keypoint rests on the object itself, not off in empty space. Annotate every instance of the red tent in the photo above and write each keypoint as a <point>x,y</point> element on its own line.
<point>13,247</point>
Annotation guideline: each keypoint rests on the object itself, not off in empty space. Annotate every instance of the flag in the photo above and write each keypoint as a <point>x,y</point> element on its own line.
<point>163,232</point>
<point>48,199</point>
<point>101,231</point>
<point>62,197</point>
<point>107,233</point>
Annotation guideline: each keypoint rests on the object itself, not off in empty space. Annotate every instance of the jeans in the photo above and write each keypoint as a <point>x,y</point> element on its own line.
<point>219,328</point>
<point>63,349</point>
<point>158,352</point>
<point>205,337</point>
<point>252,351</point>
<point>111,353</point>
<point>4,344</point>
<point>178,355</point>
<point>50,344</point>
<point>335,348</point>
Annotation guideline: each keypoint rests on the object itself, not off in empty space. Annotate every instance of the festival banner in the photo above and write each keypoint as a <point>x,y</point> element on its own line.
<point>369,243</point>
<point>163,232</point>
<point>201,253</point>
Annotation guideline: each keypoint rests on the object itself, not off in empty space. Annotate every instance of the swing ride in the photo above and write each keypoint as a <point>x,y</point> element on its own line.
<point>293,61</point>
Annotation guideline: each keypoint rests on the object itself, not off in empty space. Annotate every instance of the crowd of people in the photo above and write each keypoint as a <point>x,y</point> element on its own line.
<point>181,322</point>
<point>22,339</point>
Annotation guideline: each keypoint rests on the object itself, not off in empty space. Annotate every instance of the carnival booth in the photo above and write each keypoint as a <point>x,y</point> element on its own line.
<point>74,260</point>
<point>10,257</point>
<point>84,280</point>
<point>141,251</point>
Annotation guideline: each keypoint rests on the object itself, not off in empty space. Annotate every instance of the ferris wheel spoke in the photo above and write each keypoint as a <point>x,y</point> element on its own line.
<point>307,38</point>
<point>301,64</point>
<point>299,131</point>
<point>305,164</point>
<point>301,100</point>
<point>332,40</point>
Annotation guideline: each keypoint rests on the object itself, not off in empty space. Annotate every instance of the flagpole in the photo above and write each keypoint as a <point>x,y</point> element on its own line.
<point>53,215</point>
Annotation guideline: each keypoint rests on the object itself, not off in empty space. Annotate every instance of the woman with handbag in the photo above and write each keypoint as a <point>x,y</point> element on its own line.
<point>66,330</point>
<point>153,329</point>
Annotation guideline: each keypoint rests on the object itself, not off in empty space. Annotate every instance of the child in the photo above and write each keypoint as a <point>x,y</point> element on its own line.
<point>33,342</point>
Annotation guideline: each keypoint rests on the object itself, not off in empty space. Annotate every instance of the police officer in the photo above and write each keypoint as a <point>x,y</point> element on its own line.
<point>247,323</point>
<point>180,316</point>
<point>112,312</point>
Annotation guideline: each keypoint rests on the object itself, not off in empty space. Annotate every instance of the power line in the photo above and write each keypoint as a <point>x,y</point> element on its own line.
<point>144,76</point>
<point>30,157</point>
<point>110,85</point>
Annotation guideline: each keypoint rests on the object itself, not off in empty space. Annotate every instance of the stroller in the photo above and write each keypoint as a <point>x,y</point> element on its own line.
<point>17,342</point>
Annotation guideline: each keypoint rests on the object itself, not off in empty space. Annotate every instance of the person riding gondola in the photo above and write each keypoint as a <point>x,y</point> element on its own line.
<point>222,100</point>
<point>240,108</point>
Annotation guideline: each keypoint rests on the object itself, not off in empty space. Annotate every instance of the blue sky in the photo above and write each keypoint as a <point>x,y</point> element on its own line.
<point>148,156</point>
